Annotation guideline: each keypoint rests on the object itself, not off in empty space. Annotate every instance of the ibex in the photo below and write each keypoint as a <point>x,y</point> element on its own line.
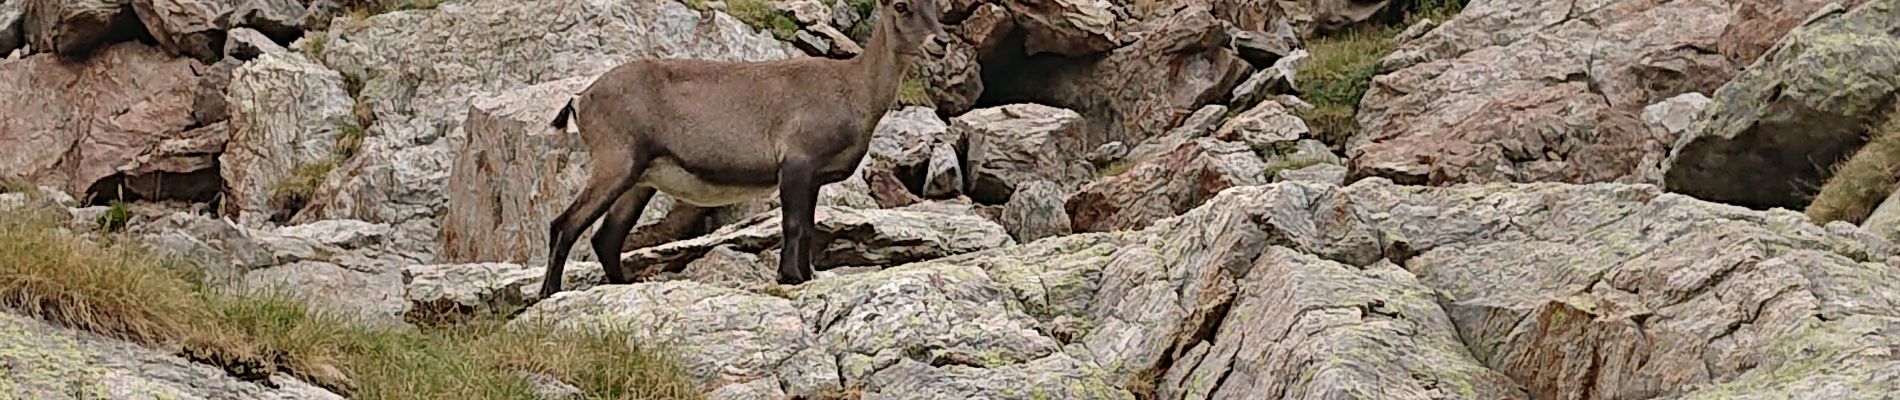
<point>713,133</point>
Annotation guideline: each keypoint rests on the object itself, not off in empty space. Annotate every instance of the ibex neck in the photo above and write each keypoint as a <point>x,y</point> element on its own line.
<point>881,66</point>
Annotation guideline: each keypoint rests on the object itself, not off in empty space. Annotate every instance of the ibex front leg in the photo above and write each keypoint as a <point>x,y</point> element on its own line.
<point>798,198</point>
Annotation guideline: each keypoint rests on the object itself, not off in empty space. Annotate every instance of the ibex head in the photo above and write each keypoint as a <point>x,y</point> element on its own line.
<point>918,25</point>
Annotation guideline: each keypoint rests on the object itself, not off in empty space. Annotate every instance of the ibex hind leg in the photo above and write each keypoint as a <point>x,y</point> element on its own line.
<point>605,184</point>
<point>611,238</point>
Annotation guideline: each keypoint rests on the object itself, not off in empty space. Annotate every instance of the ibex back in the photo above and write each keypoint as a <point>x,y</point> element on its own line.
<point>715,133</point>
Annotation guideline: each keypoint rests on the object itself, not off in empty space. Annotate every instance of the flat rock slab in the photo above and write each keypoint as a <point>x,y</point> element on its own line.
<point>850,236</point>
<point>44,361</point>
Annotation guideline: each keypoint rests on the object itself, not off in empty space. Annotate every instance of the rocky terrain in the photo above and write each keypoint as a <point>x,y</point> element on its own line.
<point>1079,199</point>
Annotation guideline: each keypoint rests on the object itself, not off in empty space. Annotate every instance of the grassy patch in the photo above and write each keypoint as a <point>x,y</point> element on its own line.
<point>1340,71</point>
<point>313,46</point>
<point>115,217</point>
<point>1863,181</point>
<point>1117,167</point>
<point>758,14</point>
<point>18,186</point>
<point>291,193</point>
<point>911,90</point>
<point>123,291</point>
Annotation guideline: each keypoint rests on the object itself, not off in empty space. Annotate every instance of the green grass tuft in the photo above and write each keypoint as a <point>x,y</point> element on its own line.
<point>293,192</point>
<point>1862,181</point>
<point>761,15</point>
<point>121,290</point>
<point>1340,71</point>
<point>115,217</point>
<point>911,90</point>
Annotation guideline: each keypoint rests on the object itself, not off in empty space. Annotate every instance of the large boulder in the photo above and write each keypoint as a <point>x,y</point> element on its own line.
<point>51,362</point>
<point>1132,74</point>
<point>418,76</point>
<point>349,267</point>
<point>1165,186</point>
<point>1180,63</point>
<point>1774,133</point>
<point>185,27</point>
<point>124,111</point>
<point>1014,144</point>
<point>282,20</point>
<point>77,27</point>
<point>1066,27</point>
<point>286,114</point>
<point>1035,212</point>
<point>1538,91</point>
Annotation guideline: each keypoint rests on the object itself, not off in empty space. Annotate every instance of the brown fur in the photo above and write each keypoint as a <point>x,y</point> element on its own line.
<point>713,133</point>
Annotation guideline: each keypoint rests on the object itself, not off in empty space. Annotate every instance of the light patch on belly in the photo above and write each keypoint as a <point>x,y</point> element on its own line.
<point>668,177</point>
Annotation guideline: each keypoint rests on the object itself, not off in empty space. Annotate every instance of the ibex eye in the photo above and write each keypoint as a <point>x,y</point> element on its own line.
<point>902,7</point>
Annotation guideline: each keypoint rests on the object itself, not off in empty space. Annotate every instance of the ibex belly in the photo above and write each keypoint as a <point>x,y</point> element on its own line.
<point>669,177</point>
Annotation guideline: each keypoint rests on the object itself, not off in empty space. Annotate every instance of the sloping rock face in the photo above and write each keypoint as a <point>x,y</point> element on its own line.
<point>185,27</point>
<point>1541,90</point>
<point>77,27</point>
<point>1166,186</point>
<point>90,120</point>
<point>49,362</point>
<point>513,175</point>
<point>421,67</point>
<point>1772,135</point>
<point>286,114</point>
<point>1317,291</point>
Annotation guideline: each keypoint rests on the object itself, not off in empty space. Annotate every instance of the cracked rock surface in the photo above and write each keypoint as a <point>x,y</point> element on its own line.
<point>1303,290</point>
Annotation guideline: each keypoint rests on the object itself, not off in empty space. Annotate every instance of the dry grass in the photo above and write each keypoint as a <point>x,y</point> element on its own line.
<point>1340,71</point>
<point>1864,180</point>
<point>123,291</point>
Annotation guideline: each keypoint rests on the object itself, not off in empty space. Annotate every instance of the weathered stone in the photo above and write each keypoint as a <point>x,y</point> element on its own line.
<point>1108,153</point>
<point>722,336</point>
<point>119,103</point>
<point>955,314</point>
<point>805,12</point>
<point>1330,174</point>
<point>1313,18</point>
<point>1265,126</point>
<point>418,78</point>
<point>1066,27</point>
<point>246,44</point>
<point>1018,143</point>
<point>449,292</point>
<point>1264,48</point>
<point>1417,30</point>
<point>1773,134</point>
<point>222,248</point>
<point>1346,331</point>
<point>1274,80</point>
<point>726,267</point>
<point>1035,212</point>
<point>185,27</point>
<point>209,106</point>
<point>1759,24</point>
<point>1199,125</point>
<point>1146,87</point>
<point>77,27</point>
<point>846,237</point>
<point>1537,91</point>
<point>1055,377</point>
<point>370,297</point>
<point>50,362</point>
<point>1666,122</point>
<point>1164,187</point>
<point>282,20</point>
<point>943,177</point>
<point>286,114</point>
